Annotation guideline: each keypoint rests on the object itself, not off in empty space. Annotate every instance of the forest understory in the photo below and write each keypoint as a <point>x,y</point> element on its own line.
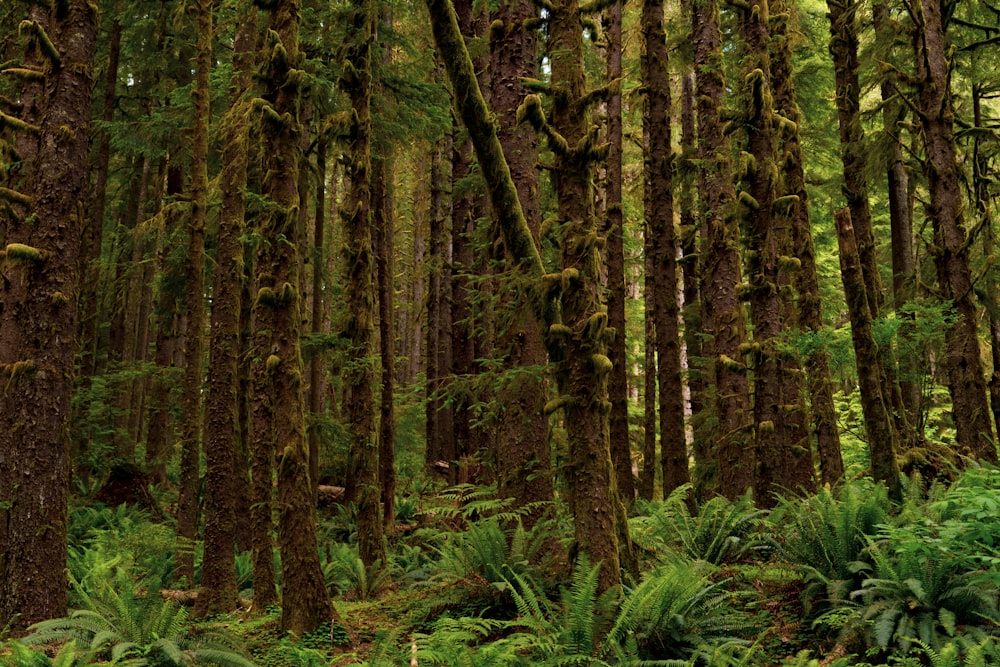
<point>845,577</point>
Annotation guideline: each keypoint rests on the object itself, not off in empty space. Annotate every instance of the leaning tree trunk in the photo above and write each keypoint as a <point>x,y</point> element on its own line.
<point>844,48</point>
<point>577,344</point>
<point>970,408</point>
<point>882,437</point>
<point>39,283</point>
<point>722,310</point>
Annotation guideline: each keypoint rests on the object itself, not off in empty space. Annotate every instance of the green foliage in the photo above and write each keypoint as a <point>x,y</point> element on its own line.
<point>69,655</point>
<point>827,535</point>
<point>675,613</point>
<point>122,620</point>
<point>102,538</point>
<point>722,531</point>
<point>910,597</point>
<point>346,574</point>
<point>490,552</point>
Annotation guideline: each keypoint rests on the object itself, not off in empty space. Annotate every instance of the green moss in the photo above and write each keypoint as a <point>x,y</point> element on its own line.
<point>23,253</point>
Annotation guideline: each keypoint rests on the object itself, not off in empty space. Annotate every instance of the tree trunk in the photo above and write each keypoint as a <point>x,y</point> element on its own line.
<point>384,232</point>
<point>223,428</point>
<point>765,244</point>
<point>882,437</point>
<point>360,324</point>
<point>970,409</point>
<point>440,430</point>
<point>581,365</point>
<point>722,311</point>
<point>38,323</point>
<point>659,208</point>
<point>524,464</point>
<point>912,361</point>
<point>305,604</point>
<point>621,441</point>
<point>806,281</point>
<point>194,348</point>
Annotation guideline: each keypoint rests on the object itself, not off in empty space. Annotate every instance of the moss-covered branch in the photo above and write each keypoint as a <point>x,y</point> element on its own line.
<point>483,132</point>
<point>17,124</point>
<point>24,73</point>
<point>37,33</point>
<point>14,197</point>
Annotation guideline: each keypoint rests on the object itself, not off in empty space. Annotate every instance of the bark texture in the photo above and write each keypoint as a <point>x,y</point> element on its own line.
<point>722,311</point>
<point>659,209</point>
<point>39,284</point>
<point>966,383</point>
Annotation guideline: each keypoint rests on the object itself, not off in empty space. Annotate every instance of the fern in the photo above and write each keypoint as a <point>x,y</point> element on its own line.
<point>674,613</point>
<point>721,531</point>
<point>120,622</point>
<point>909,598</point>
<point>828,535</point>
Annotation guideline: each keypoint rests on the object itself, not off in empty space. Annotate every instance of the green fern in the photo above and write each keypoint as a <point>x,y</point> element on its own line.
<point>121,622</point>
<point>909,598</point>
<point>721,531</point>
<point>675,613</point>
<point>827,535</point>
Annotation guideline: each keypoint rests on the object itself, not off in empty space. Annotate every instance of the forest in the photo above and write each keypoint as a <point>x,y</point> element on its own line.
<point>503,333</point>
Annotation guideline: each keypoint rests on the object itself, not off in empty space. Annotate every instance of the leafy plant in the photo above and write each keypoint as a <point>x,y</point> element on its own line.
<point>909,598</point>
<point>489,551</point>
<point>69,655</point>
<point>345,573</point>
<point>120,621</point>
<point>827,535</point>
<point>675,613</point>
<point>720,531</point>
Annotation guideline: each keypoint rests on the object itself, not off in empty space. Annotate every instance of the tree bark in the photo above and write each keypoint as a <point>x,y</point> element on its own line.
<point>223,428</point>
<point>882,437</point>
<point>194,348</point>
<point>966,383</point>
<point>39,284</point>
<point>723,312</point>
<point>360,321</point>
<point>621,441</point>
<point>523,461</point>
<point>305,604</point>
<point>659,210</point>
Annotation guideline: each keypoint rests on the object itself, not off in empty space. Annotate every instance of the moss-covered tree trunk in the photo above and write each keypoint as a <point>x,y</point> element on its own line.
<point>966,383</point>
<point>39,285</point>
<point>224,459</point>
<point>844,48</point>
<point>194,342</point>
<point>305,604</point>
<point>659,213</point>
<point>765,245</point>
<point>882,437</point>
<point>524,465</point>
<point>360,321</point>
<point>578,343</point>
<point>807,312</point>
<point>722,311</point>
<point>621,444</point>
